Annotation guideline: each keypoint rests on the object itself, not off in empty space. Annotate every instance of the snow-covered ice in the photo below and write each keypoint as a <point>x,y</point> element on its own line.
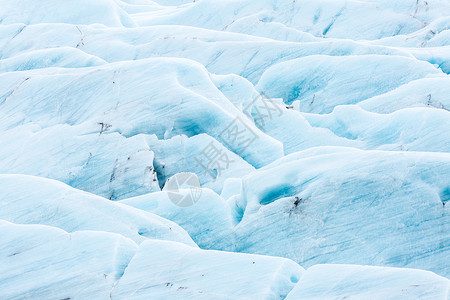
<point>349,206</point>
<point>169,270</point>
<point>42,262</point>
<point>33,200</point>
<point>209,222</point>
<point>317,134</point>
<point>365,282</point>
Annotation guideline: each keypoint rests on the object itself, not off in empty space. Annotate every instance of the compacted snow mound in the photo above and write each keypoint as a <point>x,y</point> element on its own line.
<point>105,12</point>
<point>184,154</point>
<point>330,18</point>
<point>396,131</point>
<point>349,206</point>
<point>161,96</point>
<point>65,57</point>
<point>169,270</point>
<point>322,82</point>
<point>364,282</point>
<point>85,157</point>
<point>250,55</point>
<point>33,200</point>
<point>209,222</point>
<point>428,92</point>
<point>42,262</point>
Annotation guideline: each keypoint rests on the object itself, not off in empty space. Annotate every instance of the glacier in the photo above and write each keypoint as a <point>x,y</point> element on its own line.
<point>309,141</point>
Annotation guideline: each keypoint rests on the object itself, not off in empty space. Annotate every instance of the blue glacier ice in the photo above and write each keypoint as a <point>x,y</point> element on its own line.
<point>233,149</point>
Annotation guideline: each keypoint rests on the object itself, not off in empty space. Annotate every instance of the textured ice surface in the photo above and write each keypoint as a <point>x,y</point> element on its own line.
<point>319,132</point>
<point>323,82</point>
<point>105,12</point>
<point>209,222</point>
<point>364,282</point>
<point>321,18</point>
<point>211,48</point>
<point>84,157</point>
<point>350,206</point>
<point>33,200</point>
<point>161,96</point>
<point>169,270</point>
<point>428,92</point>
<point>42,262</point>
<point>181,153</point>
<point>411,129</point>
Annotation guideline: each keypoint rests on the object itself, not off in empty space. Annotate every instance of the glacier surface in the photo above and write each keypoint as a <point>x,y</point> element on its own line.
<point>316,133</point>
